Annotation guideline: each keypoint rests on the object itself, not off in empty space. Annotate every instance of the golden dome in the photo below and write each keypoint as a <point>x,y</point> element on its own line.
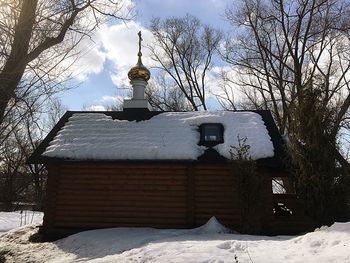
<point>139,71</point>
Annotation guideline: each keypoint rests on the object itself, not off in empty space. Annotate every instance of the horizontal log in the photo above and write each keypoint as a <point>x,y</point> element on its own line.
<point>221,209</point>
<point>105,210</point>
<point>151,198</point>
<point>62,213</point>
<point>166,180</point>
<point>225,205</point>
<point>159,193</point>
<point>200,169</point>
<point>123,173</point>
<point>126,174</point>
<point>178,202</point>
<point>204,203</point>
<point>124,180</point>
<point>207,195</point>
<point>215,178</point>
<point>171,180</point>
<point>164,202</point>
<point>101,220</point>
<point>123,187</point>
<point>222,215</point>
<point>112,203</point>
<point>218,215</point>
<point>118,187</point>
<point>94,225</point>
<point>122,203</point>
<point>211,210</point>
<point>221,169</point>
<point>80,212</point>
<point>129,168</point>
<point>118,174</point>
<point>215,188</point>
<point>173,206</point>
<point>123,166</point>
<point>211,202</point>
<point>219,203</point>
<point>212,176</point>
<point>205,174</point>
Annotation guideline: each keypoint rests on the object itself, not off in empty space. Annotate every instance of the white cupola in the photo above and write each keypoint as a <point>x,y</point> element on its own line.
<point>138,75</point>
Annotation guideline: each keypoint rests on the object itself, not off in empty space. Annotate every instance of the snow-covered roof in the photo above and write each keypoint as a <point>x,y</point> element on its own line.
<point>166,136</point>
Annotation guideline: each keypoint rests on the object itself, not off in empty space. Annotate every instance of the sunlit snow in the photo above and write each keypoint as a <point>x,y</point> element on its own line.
<point>10,220</point>
<point>209,243</point>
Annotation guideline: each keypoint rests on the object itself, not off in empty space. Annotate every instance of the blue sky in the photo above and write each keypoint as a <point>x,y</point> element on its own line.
<point>103,69</point>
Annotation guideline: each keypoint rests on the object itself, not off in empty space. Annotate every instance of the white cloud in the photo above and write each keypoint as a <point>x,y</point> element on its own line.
<point>105,103</point>
<point>223,88</point>
<point>120,77</point>
<point>112,99</point>
<point>96,108</point>
<point>91,60</point>
<point>91,53</point>
<point>219,3</point>
<point>120,43</point>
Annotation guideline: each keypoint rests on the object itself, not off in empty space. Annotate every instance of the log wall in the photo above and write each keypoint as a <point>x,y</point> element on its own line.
<point>120,195</point>
<point>89,196</point>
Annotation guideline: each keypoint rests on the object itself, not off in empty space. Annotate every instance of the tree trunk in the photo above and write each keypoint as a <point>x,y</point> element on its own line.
<point>13,70</point>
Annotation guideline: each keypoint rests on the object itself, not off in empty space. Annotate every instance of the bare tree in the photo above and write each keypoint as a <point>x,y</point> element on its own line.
<point>20,181</point>
<point>226,94</point>
<point>163,96</point>
<point>38,42</point>
<point>184,49</point>
<point>285,46</point>
<point>38,35</point>
<point>293,57</point>
<point>12,177</point>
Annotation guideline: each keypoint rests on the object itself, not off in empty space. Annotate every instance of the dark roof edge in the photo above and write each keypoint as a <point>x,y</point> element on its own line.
<point>276,138</point>
<point>265,162</point>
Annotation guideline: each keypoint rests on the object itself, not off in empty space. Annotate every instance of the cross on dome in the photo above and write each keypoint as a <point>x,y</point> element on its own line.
<point>139,71</point>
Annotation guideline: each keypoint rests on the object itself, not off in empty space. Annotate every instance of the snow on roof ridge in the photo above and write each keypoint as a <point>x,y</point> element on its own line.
<point>166,136</point>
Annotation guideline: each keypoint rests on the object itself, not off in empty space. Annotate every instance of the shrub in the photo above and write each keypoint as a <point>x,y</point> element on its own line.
<point>248,186</point>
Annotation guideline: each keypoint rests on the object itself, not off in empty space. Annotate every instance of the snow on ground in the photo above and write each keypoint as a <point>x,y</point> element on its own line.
<point>10,220</point>
<point>209,243</point>
<point>167,136</point>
